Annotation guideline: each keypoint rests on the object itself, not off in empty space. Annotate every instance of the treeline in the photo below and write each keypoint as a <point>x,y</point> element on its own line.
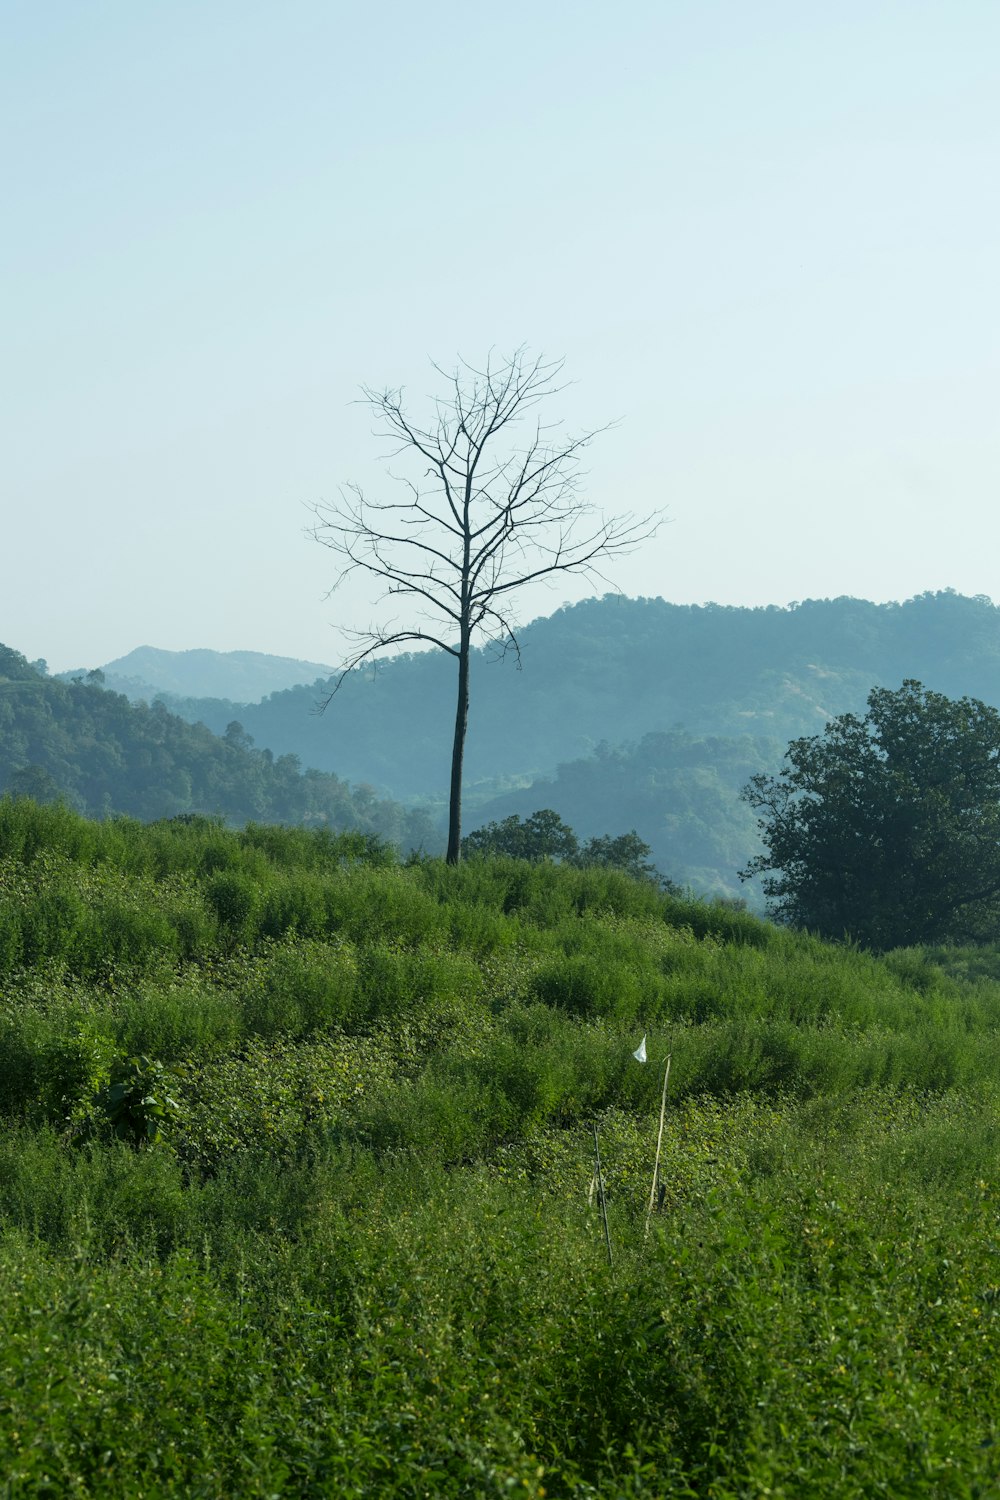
<point>544,836</point>
<point>99,753</point>
<point>626,714</point>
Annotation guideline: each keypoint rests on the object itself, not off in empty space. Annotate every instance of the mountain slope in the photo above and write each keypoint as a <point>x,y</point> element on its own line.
<point>616,669</point>
<point>691,699</point>
<point>681,793</point>
<point>105,755</point>
<point>241,676</point>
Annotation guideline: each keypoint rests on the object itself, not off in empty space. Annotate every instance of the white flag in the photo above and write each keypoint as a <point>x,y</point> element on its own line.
<point>640,1052</point>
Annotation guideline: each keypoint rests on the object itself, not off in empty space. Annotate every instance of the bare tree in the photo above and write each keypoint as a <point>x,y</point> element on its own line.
<point>494,505</point>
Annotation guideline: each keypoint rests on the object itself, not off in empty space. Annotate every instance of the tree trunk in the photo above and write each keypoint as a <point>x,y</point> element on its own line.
<point>458,755</point>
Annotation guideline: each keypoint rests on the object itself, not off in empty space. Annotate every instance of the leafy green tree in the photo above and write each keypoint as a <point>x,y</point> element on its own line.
<point>237,736</point>
<point>627,852</point>
<point>542,836</point>
<point>887,828</point>
<point>545,836</point>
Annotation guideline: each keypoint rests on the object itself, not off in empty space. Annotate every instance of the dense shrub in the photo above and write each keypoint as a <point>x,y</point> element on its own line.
<point>359,1250</point>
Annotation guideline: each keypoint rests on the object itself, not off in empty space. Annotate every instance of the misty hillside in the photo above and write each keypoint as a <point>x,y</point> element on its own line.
<point>629,713</point>
<point>102,754</point>
<point>240,676</point>
<point>681,793</point>
<point>616,669</point>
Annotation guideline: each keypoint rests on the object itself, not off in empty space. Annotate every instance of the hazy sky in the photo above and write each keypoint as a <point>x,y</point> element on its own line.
<point>764,233</point>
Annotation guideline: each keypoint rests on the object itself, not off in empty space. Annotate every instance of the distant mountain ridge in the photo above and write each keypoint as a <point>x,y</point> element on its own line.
<point>628,712</point>
<point>239,676</point>
<point>616,669</point>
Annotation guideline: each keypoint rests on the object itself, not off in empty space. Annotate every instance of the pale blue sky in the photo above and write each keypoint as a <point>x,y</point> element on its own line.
<point>765,235</point>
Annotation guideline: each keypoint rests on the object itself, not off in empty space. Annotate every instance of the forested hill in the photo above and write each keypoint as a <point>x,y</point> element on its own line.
<point>627,713</point>
<point>102,754</point>
<point>616,669</point>
<point>680,792</point>
<point>242,676</point>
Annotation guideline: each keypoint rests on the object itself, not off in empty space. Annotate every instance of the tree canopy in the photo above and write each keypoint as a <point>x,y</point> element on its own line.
<point>887,828</point>
<point>544,835</point>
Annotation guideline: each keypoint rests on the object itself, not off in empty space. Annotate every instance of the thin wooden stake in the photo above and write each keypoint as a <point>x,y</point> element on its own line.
<point>659,1143</point>
<point>600,1194</point>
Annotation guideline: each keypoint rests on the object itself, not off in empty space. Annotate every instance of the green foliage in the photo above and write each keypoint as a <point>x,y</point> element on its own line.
<point>92,749</point>
<point>887,828</point>
<point>742,682</point>
<point>723,672</point>
<point>74,1066</point>
<point>295,1182</point>
<point>138,1103</point>
<point>694,699</point>
<point>234,898</point>
<point>627,852</point>
<point>544,835</point>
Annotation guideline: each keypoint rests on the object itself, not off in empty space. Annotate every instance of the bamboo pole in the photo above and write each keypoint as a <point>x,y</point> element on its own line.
<point>600,1194</point>
<point>659,1143</point>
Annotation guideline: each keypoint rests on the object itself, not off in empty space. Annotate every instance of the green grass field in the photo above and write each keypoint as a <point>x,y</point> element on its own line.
<point>296,1150</point>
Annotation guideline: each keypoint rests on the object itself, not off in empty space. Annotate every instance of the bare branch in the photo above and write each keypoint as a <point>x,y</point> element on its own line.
<point>485,514</point>
<point>371,644</point>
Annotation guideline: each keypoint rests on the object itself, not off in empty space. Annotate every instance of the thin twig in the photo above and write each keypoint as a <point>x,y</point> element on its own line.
<point>659,1143</point>
<point>600,1194</point>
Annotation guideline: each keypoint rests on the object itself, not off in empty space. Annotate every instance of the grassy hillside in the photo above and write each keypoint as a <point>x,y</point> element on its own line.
<point>295,1199</point>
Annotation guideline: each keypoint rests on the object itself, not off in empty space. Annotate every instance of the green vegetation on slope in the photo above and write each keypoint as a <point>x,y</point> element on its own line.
<point>681,793</point>
<point>360,1257</point>
<point>688,702</point>
<point>105,755</point>
<point>615,669</point>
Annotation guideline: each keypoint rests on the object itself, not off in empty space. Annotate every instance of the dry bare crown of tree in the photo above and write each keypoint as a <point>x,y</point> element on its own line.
<point>480,516</point>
